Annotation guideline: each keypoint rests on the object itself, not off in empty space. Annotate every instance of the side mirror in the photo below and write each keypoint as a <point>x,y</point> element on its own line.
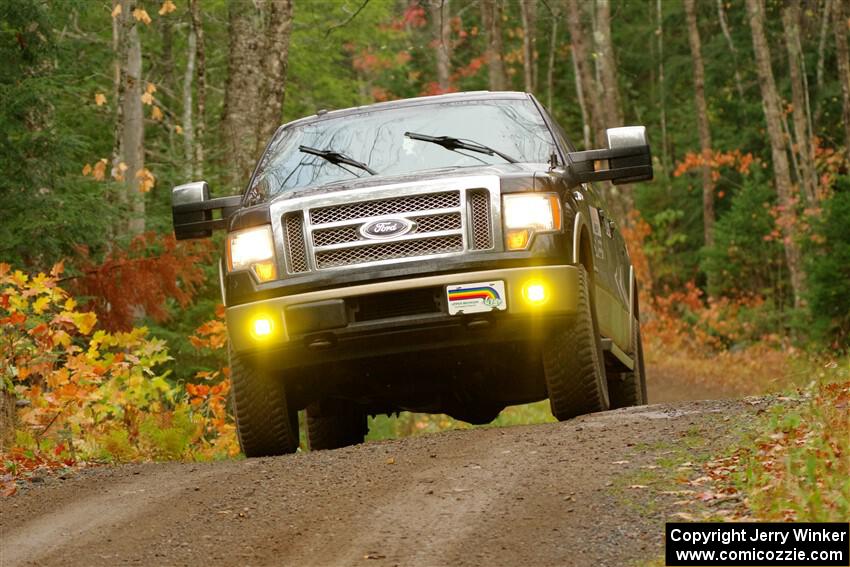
<point>192,210</point>
<point>628,156</point>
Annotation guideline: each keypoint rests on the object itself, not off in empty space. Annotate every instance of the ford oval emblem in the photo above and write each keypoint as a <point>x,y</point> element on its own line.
<point>386,228</point>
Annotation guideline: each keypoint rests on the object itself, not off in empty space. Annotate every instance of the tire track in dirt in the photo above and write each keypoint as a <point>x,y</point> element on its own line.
<point>553,494</point>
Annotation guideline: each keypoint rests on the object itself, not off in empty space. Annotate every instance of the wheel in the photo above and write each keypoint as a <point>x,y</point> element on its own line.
<point>265,423</point>
<point>332,424</point>
<point>572,361</point>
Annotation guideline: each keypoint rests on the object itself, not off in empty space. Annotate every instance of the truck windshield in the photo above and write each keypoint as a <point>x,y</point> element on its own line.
<point>377,139</point>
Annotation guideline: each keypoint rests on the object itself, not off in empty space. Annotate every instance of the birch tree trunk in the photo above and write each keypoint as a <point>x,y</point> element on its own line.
<point>528,13</point>
<point>802,134</point>
<point>773,116</point>
<point>550,69</point>
<point>441,31</point>
<point>607,65</point>
<point>724,26</point>
<point>843,56</point>
<point>585,82</point>
<point>132,127</point>
<point>491,16</point>
<point>621,196</point>
<point>826,15</point>
<point>702,122</point>
<point>201,89</point>
<point>662,89</point>
<point>188,124</point>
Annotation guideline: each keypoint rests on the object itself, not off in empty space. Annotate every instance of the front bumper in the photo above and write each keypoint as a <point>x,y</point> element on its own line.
<point>314,317</point>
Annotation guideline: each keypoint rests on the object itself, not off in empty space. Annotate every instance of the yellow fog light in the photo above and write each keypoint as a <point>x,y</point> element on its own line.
<point>262,327</point>
<point>535,293</point>
<point>517,239</point>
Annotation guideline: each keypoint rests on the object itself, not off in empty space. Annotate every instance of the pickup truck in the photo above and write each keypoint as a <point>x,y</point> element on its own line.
<point>445,254</point>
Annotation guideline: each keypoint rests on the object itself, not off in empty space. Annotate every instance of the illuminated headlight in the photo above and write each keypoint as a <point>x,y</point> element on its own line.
<point>528,213</point>
<point>252,249</point>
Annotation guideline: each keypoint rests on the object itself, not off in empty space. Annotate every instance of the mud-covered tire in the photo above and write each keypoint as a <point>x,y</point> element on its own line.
<point>572,361</point>
<point>335,424</point>
<point>266,424</point>
<point>629,388</point>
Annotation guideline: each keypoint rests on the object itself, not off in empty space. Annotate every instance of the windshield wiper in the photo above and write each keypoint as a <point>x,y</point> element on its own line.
<point>337,158</point>
<point>455,144</point>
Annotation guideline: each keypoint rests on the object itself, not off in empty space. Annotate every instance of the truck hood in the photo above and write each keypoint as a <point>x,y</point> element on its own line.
<point>503,171</point>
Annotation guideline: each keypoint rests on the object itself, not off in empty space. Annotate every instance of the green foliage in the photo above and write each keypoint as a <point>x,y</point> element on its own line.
<point>745,259</point>
<point>829,268</point>
<point>48,207</point>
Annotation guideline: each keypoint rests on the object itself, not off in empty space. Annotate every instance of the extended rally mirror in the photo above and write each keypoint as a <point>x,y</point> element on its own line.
<point>628,156</point>
<point>192,210</point>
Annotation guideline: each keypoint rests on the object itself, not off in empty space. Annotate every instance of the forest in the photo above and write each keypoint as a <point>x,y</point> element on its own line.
<point>113,346</point>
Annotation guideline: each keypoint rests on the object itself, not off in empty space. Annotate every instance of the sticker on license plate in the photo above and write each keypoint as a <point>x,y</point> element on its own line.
<point>476,297</point>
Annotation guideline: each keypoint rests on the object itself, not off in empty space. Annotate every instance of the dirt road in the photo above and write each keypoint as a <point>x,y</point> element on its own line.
<point>555,494</point>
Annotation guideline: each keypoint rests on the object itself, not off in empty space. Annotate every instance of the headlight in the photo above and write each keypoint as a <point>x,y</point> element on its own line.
<point>528,213</point>
<point>253,249</point>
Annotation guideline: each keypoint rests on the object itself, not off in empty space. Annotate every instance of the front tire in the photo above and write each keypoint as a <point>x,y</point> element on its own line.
<point>572,361</point>
<point>265,423</point>
<point>332,424</point>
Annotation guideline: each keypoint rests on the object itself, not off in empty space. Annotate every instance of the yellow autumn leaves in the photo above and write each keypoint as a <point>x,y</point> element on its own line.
<point>147,180</point>
<point>141,15</point>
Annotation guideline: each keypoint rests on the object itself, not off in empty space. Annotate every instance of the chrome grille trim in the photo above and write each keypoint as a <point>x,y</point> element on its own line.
<point>480,219</point>
<point>337,234</point>
<point>384,207</point>
<point>296,255</point>
<point>406,248</point>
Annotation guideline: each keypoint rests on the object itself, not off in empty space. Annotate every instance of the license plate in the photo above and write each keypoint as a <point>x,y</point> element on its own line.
<point>476,297</point>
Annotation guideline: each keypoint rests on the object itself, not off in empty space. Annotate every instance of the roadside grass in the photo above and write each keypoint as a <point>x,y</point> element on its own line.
<point>407,424</point>
<point>798,467</point>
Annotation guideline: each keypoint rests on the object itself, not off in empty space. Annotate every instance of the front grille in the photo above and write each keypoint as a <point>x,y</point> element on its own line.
<point>395,304</point>
<point>389,251</point>
<point>297,256</point>
<point>479,211</point>
<point>345,234</point>
<point>413,203</point>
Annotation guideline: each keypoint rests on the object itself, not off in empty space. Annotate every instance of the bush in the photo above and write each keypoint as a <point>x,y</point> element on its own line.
<point>746,258</point>
<point>828,263</point>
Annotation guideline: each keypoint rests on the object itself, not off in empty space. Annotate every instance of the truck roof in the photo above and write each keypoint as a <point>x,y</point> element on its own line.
<point>406,102</point>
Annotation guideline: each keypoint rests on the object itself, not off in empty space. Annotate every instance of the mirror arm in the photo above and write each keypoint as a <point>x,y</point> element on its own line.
<point>228,205</point>
<point>606,154</point>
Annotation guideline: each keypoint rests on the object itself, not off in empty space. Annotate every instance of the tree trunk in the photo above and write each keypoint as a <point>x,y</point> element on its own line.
<point>621,196</point>
<point>278,31</point>
<point>607,65</point>
<point>132,133</point>
<point>491,16</point>
<point>188,124</point>
<point>584,76</point>
<point>824,29</point>
<point>528,13</point>
<point>550,70</point>
<point>724,26</point>
<point>773,116</point>
<point>702,122</point>
<point>256,82</point>
<point>201,71</point>
<point>441,29</point>
<point>662,90</point>
<point>843,56</point>
<point>242,90</point>
<point>805,151</point>
<point>7,419</point>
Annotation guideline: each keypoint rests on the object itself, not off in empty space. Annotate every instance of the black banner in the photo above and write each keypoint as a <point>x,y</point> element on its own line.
<point>755,543</point>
